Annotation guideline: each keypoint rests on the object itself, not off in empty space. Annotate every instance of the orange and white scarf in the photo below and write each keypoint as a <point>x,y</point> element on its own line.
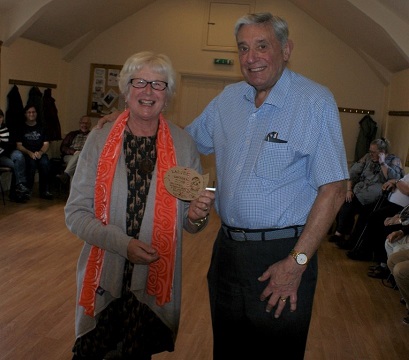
<point>160,276</point>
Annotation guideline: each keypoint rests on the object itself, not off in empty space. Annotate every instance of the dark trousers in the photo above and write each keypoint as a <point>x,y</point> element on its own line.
<point>242,329</point>
<point>43,167</point>
<point>377,232</point>
<point>346,216</point>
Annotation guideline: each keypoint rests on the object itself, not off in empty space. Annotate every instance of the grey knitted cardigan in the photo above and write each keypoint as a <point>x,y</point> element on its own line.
<point>80,220</point>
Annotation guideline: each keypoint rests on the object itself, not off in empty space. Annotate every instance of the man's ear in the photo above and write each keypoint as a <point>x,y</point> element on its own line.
<point>288,48</point>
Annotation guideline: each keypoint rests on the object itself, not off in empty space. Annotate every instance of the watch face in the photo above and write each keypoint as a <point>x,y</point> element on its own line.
<point>302,259</point>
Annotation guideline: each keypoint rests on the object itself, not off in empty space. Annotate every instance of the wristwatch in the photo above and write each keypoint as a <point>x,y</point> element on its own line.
<point>299,257</point>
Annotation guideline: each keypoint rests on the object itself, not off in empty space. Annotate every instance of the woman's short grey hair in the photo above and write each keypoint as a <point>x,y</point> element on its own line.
<point>156,62</point>
<point>278,24</point>
<point>382,144</point>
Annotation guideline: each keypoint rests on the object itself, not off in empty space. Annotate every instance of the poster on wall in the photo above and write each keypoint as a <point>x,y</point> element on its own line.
<point>104,96</point>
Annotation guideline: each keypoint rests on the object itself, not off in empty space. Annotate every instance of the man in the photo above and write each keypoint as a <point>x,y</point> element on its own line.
<point>71,148</point>
<point>33,143</point>
<point>281,171</point>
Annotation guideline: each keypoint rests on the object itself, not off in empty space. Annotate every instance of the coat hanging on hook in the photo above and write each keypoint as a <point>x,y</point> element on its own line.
<point>15,112</point>
<point>367,133</point>
<point>51,120</point>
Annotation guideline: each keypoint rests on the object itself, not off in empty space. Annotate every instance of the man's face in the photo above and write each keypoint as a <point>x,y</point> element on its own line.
<point>262,59</point>
<point>85,124</point>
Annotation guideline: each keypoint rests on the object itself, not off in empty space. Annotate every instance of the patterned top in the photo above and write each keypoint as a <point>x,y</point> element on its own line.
<point>368,177</point>
<point>263,182</point>
<point>4,138</point>
<point>136,149</point>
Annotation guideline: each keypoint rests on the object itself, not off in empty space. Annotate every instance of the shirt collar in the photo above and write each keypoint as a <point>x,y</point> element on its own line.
<point>278,93</point>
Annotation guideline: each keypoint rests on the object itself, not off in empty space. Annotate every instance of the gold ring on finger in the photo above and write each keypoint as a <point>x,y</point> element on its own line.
<point>283,299</point>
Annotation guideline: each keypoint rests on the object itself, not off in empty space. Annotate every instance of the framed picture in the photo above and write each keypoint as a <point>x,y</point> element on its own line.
<point>104,96</point>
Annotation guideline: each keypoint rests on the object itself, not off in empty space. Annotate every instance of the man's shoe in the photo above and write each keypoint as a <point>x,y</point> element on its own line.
<point>47,195</point>
<point>373,267</point>
<point>64,177</point>
<point>20,188</point>
<point>381,272</point>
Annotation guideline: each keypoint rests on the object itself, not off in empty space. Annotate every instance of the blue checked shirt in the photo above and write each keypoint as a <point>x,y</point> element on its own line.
<point>268,184</point>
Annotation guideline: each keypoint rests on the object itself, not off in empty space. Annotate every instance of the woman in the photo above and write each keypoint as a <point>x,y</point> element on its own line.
<point>130,224</point>
<point>364,188</point>
<point>33,143</point>
<point>18,191</point>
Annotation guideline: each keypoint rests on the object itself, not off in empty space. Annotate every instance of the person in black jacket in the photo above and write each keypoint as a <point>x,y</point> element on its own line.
<point>32,142</point>
<point>18,190</point>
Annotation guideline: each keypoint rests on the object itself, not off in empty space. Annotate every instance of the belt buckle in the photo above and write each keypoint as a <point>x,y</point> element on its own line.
<point>239,231</point>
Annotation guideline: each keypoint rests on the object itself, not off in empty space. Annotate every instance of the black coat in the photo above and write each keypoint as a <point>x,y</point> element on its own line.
<point>367,134</point>
<point>15,113</point>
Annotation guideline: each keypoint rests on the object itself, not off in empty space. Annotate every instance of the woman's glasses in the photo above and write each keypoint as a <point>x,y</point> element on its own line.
<point>141,83</point>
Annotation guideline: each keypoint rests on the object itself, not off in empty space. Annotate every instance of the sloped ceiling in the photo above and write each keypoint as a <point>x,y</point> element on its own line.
<point>377,29</point>
<point>68,25</point>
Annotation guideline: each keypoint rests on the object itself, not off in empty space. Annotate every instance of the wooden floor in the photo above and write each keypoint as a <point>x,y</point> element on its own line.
<point>355,317</point>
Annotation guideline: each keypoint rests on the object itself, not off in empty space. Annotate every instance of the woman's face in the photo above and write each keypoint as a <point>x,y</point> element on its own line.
<point>146,103</point>
<point>374,152</point>
<point>31,114</point>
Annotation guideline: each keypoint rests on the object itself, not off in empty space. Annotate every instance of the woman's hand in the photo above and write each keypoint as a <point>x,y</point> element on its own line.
<point>381,157</point>
<point>395,236</point>
<point>141,253</point>
<point>349,196</point>
<point>390,185</point>
<point>392,220</point>
<point>200,207</point>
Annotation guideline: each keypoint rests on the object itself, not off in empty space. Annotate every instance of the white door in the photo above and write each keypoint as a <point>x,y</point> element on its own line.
<point>196,91</point>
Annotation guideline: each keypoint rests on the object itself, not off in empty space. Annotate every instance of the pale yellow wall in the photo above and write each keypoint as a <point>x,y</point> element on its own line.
<point>174,27</point>
<point>397,128</point>
<point>30,61</point>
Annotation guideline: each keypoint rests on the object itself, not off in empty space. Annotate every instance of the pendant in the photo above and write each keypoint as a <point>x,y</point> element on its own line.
<point>146,166</point>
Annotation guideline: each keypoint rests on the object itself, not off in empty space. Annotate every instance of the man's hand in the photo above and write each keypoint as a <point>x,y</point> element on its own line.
<point>284,278</point>
<point>107,118</point>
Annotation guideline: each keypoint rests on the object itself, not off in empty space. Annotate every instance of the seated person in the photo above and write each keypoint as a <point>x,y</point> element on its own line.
<point>398,264</point>
<point>32,142</point>
<point>395,241</point>
<point>18,191</point>
<point>379,225</point>
<point>71,147</point>
<point>364,189</point>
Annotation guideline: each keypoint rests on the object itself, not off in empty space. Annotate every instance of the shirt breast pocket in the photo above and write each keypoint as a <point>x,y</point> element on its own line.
<point>274,160</point>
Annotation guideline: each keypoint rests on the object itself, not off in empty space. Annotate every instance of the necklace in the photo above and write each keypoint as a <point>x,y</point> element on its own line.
<point>146,156</point>
<point>146,165</point>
